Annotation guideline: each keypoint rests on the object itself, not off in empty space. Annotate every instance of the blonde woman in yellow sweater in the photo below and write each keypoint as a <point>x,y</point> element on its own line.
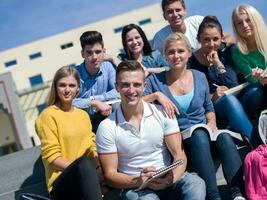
<point>67,142</point>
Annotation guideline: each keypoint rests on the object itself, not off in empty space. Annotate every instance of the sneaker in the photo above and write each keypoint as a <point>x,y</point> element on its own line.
<point>239,198</point>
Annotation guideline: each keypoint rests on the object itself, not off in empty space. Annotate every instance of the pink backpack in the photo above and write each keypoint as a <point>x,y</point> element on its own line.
<point>256,165</point>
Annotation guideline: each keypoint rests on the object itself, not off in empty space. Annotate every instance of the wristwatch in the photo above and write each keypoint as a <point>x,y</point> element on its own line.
<point>92,98</point>
<point>221,69</point>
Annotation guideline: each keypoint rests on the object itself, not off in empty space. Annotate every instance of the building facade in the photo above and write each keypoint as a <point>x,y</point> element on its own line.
<point>33,65</point>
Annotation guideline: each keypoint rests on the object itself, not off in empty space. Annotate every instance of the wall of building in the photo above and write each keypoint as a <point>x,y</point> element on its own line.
<point>12,122</point>
<point>53,57</point>
<point>45,56</point>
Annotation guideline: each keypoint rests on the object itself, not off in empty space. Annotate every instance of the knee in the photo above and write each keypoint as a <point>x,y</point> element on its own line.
<point>254,90</point>
<point>194,187</point>
<point>225,140</point>
<point>200,137</point>
<point>146,194</point>
<point>231,99</point>
<point>128,194</point>
<point>85,164</point>
<point>232,103</point>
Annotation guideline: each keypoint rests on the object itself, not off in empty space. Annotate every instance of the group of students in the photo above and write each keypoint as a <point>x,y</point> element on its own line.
<point>165,88</point>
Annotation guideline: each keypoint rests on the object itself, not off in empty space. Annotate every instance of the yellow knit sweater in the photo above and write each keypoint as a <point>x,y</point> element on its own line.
<point>64,134</point>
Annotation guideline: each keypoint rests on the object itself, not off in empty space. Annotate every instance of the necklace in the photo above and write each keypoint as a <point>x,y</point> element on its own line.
<point>181,86</point>
<point>178,87</point>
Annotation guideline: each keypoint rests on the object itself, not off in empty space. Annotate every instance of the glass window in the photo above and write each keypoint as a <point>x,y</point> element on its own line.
<point>10,63</point>
<point>66,46</point>
<point>144,21</point>
<point>118,30</point>
<point>41,107</point>
<point>36,80</point>
<point>35,55</point>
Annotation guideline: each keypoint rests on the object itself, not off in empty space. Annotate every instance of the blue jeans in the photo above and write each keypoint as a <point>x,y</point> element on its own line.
<point>229,110</point>
<point>234,111</point>
<point>201,159</point>
<point>188,187</point>
<point>252,99</point>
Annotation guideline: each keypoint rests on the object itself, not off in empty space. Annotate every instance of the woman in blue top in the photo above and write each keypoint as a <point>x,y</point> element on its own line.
<point>217,64</point>
<point>188,90</point>
<point>137,47</point>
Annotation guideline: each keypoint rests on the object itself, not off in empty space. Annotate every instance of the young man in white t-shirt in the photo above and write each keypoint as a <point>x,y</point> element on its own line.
<point>174,11</point>
<point>139,138</point>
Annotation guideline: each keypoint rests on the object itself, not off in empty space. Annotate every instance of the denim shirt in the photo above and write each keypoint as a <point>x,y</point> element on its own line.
<point>200,105</point>
<point>100,86</point>
<point>155,59</point>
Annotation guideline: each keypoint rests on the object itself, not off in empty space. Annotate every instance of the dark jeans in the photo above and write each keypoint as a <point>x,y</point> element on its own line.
<point>234,111</point>
<point>199,149</point>
<point>77,181</point>
<point>252,99</point>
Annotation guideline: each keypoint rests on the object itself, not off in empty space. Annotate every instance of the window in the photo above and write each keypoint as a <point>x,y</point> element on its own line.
<point>66,46</point>
<point>41,107</point>
<point>36,80</point>
<point>144,21</point>
<point>35,55</point>
<point>10,63</point>
<point>118,30</point>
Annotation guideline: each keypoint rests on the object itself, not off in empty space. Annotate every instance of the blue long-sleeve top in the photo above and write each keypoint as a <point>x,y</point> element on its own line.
<point>200,105</point>
<point>101,86</point>
<point>155,59</point>
<point>228,79</point>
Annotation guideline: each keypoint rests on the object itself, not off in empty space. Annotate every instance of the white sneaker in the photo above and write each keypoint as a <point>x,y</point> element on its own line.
<point>239,198</point>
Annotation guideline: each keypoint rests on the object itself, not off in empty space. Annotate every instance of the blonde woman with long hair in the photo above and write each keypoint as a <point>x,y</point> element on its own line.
<point>67,142</point>
<point>188,90</point>
<point>250,54</point>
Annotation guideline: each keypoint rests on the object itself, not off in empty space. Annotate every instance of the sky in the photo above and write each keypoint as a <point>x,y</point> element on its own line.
<point>25,21</point>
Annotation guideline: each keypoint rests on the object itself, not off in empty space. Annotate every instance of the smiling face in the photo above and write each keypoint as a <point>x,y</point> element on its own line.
<point>243,25</point>
<point>134,42</point>
<point>67,88</point>
<point>131,85</point>
<point>93,56</point>
<point>177,54</point>
<point>210,39</point>
<point>174,13</point>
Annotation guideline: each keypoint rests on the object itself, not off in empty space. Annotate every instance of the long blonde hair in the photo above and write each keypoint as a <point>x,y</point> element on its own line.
<point>61,73</point>
<point>258,25</point>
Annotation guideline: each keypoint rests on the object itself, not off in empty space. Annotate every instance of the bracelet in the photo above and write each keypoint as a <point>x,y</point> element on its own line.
<point>221,69</point>
<point>92,98</point>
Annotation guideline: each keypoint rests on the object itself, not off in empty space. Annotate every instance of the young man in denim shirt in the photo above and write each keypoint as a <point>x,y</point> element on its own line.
<point>97,79</point>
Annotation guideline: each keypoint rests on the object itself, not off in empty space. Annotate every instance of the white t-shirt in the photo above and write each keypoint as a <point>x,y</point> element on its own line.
<point>137,149</point>
<point>191,23</point>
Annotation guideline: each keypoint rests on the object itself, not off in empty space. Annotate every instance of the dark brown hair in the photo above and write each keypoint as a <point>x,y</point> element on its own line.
<point>146,49</point>
<point>129,65</point>
<point>209,22</point>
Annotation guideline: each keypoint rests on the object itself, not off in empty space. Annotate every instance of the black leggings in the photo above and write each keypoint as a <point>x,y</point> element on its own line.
<point>77,181</point>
